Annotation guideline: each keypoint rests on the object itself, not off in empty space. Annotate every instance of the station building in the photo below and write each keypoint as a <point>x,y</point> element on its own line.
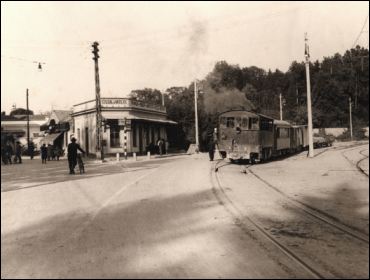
<point>141,124</point>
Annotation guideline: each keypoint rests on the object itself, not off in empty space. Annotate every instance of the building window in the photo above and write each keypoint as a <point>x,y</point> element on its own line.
<point>114,133</point>
<point>78,135</point>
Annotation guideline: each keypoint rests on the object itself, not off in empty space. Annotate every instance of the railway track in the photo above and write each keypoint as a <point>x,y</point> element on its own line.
<point>317,213</point>
<point>357,164</point>
<point>311,212</point>
<point>242,219</point>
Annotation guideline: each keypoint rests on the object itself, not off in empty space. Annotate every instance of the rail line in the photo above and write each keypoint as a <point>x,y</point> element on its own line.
<point>362,171</point>
<point>318,214</point>
<point>219,191</point>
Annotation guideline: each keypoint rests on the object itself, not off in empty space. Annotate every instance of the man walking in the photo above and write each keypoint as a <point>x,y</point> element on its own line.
<point>72,155</point>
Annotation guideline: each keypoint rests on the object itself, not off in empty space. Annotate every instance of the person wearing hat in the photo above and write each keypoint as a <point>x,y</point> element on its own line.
<point>18,152</point>
<point>72,155</point>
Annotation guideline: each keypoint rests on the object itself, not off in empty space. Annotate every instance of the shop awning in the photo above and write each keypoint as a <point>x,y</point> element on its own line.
<point>152,120</point>
<point>50,138</point>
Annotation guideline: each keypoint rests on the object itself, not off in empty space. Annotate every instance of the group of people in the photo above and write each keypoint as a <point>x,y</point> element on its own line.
<point>50,152</point>
<point>160,147</point>
<point>7,153</point>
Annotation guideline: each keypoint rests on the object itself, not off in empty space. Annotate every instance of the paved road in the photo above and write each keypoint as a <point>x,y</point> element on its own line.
<point>31,173</point>
<point>160,220</point>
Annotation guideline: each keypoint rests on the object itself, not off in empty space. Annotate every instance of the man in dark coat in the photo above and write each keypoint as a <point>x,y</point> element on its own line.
<point>8,152</point>
<point>44,153</point>
<point>72,155</point>
<point>210,142</point>
<point>31,149</point>
<point>18,152</point>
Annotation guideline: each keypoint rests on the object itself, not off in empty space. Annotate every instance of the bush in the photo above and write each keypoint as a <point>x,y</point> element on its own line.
<point>358,134</point>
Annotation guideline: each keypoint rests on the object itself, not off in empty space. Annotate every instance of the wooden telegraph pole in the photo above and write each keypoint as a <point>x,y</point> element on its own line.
<point>309,112</point>
<point>28,123</point>
<point>99,144</point>
<point>196,115</point>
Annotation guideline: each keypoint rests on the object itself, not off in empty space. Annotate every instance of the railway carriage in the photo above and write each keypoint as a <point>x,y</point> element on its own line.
<point>245,135</point>
<point>282,141</point>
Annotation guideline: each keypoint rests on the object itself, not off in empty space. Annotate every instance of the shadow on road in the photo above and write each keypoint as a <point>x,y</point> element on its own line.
<point>142,239</point>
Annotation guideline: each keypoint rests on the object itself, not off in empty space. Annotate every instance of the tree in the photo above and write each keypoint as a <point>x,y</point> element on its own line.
<point>147,95</point>
<point>20,111</point>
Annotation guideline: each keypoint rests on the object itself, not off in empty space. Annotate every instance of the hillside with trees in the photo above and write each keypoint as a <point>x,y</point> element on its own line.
<point>333,81</point>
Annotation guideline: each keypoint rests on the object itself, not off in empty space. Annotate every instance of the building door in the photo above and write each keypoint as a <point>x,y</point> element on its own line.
<point>140,139</point>
<point>87,140</point>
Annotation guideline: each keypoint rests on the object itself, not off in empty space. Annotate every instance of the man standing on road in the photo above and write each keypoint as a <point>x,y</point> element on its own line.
<point>18,152</point>
<point>8,152</point>
<point>210,142</point>
<point>72,155</point>
<point>31,149</point>
<point>44,153</point>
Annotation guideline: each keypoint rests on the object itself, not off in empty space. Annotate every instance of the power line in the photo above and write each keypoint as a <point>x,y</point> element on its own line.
<point>362,31</point>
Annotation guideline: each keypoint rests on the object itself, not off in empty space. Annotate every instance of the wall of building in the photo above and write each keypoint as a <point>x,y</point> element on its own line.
<point>22,125</point>
<point>156,131</point>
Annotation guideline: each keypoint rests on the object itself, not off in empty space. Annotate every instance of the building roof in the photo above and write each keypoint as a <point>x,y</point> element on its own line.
<point>62,115</point>
<point>24,118</point>
<point>8,118</point>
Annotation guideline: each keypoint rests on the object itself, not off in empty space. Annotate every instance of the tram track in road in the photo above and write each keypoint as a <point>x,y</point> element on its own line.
<point>317,213</point>
<point>316,267</point>
<point>357,164</point>
<point>330,149</point>
<point>312,211</point>
<point>241,217</point>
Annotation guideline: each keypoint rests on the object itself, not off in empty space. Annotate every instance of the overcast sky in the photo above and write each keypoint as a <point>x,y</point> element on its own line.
<point>157,44</point>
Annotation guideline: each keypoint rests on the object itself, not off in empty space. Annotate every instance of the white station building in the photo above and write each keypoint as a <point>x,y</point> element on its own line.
<point>143,123</point>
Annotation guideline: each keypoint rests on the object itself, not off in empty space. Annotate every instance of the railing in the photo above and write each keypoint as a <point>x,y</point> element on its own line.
<point>118,103</point>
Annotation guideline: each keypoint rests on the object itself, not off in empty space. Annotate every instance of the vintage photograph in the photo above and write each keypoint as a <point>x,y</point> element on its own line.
<point>185,140</point>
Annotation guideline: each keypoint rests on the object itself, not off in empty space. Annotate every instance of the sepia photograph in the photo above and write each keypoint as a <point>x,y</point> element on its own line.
<point>185,140</point>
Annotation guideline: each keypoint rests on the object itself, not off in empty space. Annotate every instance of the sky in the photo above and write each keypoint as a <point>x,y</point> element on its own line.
<point>158,44</point>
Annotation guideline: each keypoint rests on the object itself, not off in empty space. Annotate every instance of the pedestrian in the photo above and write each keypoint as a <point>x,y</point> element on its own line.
<point>57,152</point>
<point>160,146</point>
<point>31,149</point>
<point>3,155</point>
<point>44,153</point>
<point>18,152</point>
<point>210,142</point>
<point>72,155</point>
<point>8,152</point>
<point>50,151</point>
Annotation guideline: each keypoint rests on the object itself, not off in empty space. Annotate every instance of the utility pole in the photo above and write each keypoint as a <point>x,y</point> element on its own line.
<point>309,112</point>
<point>99,144</point>
<point>350,116</point>
<point>196,115</point>
<point>28,122</point>
<point>281,108</point>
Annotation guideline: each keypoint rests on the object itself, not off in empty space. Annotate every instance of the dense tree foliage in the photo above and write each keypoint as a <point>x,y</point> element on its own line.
<point>20,111</point>
<point>333,81</point>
